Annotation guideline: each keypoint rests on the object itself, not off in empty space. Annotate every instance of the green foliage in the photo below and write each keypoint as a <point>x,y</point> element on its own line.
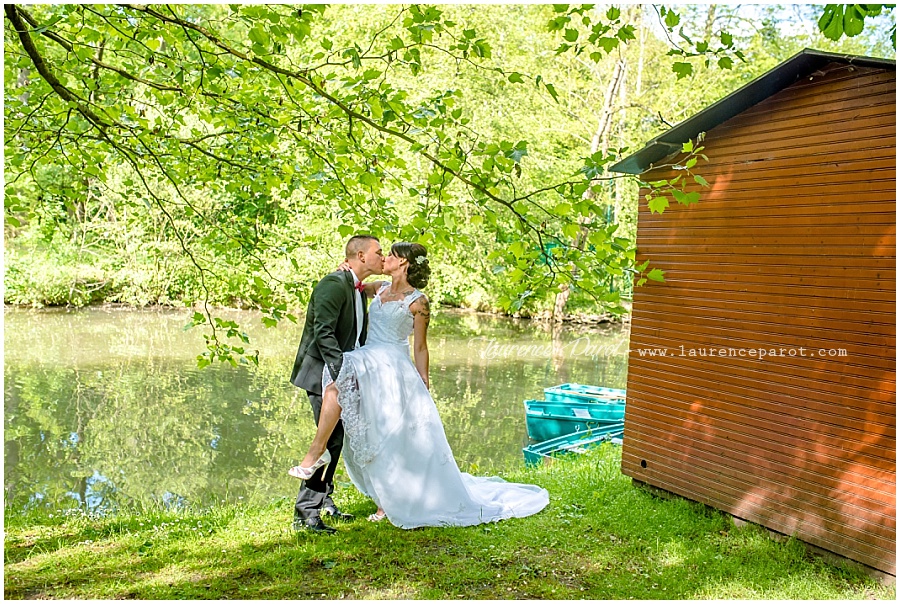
<point>223,153</point>
<point>193,118</point>
<point>719,50</point>
<point>839,20</point>
<point>657,201</point>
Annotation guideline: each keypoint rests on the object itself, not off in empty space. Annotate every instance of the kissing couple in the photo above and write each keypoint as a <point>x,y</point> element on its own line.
<point>354,363</point>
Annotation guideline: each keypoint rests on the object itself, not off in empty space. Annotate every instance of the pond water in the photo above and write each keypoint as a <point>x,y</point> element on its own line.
<point>105,406</point>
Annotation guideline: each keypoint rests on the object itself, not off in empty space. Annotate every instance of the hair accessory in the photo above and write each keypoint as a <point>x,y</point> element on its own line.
<point>421,259</point>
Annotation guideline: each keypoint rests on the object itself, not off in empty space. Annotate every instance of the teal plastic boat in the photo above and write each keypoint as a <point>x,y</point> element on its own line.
<point>581,393</point>
<point>545,420</point>
<point>579,442</point>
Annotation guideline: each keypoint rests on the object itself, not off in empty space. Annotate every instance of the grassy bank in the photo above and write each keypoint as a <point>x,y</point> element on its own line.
<point>600,538</point>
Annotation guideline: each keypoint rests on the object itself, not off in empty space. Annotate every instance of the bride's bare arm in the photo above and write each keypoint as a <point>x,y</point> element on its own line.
<point>372,287</point>
<point>421,310</point>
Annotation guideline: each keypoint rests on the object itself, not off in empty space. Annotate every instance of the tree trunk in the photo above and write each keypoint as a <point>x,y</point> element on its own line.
<point>600,140</point>
<point>642,44</point>
<point>710,21</point>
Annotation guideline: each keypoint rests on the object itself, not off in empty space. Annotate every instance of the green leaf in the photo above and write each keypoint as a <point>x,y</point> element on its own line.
<point>301,29</point>
<point>516,77</point>
<point>700,180</point>
<point>571,35</point>
<point>368,179</point>
<point>608,44</point>
<point>658,205</point>
<point>518,152</point>
<point>571,230</point>
<point>873,10</point>
<point>552,90</point>
<point>656,275</point>
<point>258,35</point>
<point>685,198</point>
<point>482,49</point>
<point>375,107</point>
<point>687,147</point>
<point>854,19</point>
<point>831,23</point>
<point>682,70</point>
<point>672,19</point>
<point>626,33</point>
<point>725,62</point>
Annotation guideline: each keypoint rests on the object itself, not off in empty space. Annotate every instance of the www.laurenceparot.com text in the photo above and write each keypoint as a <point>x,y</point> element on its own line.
<point>491,349</point>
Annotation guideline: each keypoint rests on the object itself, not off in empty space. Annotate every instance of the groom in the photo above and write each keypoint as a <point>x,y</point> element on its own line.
<point>336,323</point>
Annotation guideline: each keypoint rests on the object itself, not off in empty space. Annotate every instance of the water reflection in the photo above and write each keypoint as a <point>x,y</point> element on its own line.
<point>105,407</point>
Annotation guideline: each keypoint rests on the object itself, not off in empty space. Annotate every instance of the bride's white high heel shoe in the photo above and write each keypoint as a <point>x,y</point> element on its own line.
<point>377,517</point>
<point>306,473</point>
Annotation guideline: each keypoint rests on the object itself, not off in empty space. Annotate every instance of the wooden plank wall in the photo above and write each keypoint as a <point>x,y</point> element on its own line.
<point>792,246</point>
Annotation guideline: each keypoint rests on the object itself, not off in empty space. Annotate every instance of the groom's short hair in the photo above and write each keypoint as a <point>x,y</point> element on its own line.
<point>358,243</point>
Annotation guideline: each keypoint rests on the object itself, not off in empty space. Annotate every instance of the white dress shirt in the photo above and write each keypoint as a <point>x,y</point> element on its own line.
<point>359,307</point>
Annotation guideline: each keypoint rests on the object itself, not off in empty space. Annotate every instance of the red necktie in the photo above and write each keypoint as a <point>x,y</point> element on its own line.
<point>360,286</point>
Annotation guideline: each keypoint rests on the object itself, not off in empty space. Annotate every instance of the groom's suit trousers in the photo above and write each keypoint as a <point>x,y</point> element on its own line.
<point>315,493</point>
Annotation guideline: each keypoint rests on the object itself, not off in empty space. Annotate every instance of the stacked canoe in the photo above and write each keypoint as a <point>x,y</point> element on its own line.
<point>573,418</point>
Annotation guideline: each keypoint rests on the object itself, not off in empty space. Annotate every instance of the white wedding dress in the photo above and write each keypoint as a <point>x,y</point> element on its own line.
<point>395,449</point>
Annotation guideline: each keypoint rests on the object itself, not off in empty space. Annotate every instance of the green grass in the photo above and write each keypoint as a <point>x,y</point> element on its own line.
<point>600,538</point>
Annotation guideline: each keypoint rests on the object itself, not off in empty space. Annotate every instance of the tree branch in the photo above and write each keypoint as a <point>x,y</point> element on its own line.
<point>12,13</point>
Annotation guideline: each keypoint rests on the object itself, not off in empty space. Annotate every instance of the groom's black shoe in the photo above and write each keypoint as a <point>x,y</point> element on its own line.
<point>314,525</point>
<point>334,512</point>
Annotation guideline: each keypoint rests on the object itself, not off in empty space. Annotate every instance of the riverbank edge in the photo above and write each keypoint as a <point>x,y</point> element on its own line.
<point>601,537</point>
<point>544,317</point>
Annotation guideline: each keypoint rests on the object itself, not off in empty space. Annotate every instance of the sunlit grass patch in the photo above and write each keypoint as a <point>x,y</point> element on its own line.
<point>600,538</point>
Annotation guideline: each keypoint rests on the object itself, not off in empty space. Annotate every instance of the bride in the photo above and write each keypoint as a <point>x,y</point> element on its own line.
<point>398,454</point>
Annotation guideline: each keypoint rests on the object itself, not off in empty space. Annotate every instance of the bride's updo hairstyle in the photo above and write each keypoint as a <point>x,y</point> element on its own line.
<point>418,271</point>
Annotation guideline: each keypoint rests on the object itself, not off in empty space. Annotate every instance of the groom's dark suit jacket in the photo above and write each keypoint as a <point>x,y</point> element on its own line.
<point>330,330</point>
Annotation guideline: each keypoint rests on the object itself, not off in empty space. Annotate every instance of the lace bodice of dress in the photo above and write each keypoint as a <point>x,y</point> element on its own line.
<point>391,322</point>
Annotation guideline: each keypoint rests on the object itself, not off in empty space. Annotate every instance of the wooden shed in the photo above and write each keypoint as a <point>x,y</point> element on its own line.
<point>791,251</point>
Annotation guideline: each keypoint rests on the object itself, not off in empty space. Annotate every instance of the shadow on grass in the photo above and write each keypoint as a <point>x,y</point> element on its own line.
<point>600,538</point>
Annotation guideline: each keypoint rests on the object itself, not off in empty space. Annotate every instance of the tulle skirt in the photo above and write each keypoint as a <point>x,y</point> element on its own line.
<point>397,454</point>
